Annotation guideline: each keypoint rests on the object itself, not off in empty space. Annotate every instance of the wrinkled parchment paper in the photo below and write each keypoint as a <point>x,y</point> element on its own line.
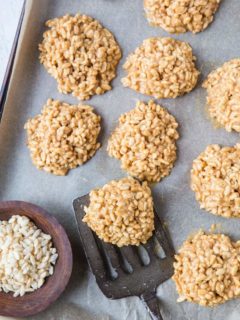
<point>20,180</point>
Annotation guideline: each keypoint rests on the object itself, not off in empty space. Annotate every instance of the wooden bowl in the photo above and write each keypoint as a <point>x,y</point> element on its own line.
<point>32,303</point>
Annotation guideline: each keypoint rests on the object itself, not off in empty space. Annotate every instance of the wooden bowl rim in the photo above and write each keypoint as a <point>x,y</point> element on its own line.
<point>63,277</point>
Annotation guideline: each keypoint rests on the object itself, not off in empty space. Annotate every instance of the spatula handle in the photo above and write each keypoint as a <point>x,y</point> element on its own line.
<point>151,303</point>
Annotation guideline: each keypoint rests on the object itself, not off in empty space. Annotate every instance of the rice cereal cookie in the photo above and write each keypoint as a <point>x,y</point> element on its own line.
<point>121,212</point>
<point>63,136</point>
<point>162,68</point>
<point>207,269</point>
<point>215,179</point>
<point>223,95</point>
<point>179,16</point>
<point>80,54</point>
<point>145,142</point>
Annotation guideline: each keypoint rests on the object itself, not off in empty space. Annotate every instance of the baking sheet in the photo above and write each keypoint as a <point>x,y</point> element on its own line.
<point>20,180</point>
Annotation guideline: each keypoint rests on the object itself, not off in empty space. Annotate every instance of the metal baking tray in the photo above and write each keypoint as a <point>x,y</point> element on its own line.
<point>30,88</point>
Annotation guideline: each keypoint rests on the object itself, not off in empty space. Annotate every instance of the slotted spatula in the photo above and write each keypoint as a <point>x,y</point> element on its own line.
<point>130,270</point>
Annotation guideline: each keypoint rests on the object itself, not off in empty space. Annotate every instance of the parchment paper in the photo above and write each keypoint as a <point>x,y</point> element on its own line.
<point>20,180</point>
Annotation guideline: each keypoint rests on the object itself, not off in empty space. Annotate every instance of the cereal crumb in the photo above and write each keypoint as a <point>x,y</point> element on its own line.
<point>215,227</point>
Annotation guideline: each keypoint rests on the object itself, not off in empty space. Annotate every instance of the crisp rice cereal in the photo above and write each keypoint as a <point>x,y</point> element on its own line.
<point>162,68</point>
<point>63,136</point>
<point>215,179</point>
<point>121,212</point>
<point>145,142</point>
<point>223,95</point>
<point>178,16</point>
<point>207,269</point>
<point>80,54</point>
<point>27,256</point>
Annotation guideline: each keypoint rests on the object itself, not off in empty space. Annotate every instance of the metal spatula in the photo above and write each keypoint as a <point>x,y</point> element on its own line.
<point>130,270</point>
